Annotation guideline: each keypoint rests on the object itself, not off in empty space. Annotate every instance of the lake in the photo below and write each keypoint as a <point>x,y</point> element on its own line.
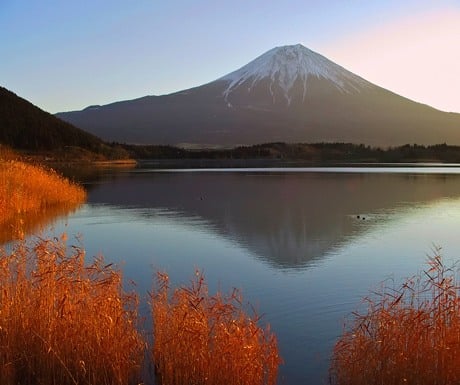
<point>304,245</point>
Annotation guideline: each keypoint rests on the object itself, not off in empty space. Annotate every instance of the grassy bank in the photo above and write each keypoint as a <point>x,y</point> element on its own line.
<point>27,191</point>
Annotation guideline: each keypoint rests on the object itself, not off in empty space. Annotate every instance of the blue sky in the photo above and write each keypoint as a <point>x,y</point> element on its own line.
<point>65,55</point>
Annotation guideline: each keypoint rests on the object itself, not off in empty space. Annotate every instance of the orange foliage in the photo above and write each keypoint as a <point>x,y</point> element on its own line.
<point>62,322</point>
<point>202,339</point>
<point>408,336</point>
<point>30,190</point>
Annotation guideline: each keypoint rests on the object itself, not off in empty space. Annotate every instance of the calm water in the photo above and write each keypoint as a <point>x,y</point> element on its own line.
<point>291,239</point>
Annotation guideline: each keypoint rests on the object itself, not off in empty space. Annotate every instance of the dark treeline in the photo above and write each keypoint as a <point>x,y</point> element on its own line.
<point>26,127</point>
<point>315,153</point>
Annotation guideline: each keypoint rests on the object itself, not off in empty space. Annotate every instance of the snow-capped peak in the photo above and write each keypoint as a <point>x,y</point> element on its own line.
<point>285,65</point>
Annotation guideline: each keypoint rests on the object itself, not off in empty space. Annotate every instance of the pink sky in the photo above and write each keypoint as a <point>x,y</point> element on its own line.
<point>417,57</point>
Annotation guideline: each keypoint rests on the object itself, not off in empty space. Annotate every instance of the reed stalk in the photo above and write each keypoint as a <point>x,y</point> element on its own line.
<point>204,339</point>
<point>65,322</point>
<point>409,335</point>
<point>29,191</point>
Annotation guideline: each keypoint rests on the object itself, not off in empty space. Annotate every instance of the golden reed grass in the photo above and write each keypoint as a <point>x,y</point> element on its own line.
<point>64,322</point>
<point>203,339</point>
<point>26,189</point>
<point>408,336</point>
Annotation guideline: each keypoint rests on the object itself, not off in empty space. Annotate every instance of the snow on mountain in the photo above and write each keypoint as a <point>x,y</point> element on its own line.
<point>286,65</point>
<point>288,94</point>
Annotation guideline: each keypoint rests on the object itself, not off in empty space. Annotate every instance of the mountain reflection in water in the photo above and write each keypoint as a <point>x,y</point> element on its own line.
<point>287,219</point>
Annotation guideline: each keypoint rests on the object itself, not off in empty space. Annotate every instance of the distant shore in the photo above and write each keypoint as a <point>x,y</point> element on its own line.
<point>297,154</point>
<point>218,164</point>
<point>53,160</point>
<point>261,155</point>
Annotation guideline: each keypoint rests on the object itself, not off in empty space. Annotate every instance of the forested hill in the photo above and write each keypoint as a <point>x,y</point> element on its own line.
<point>24,126</point>
<point>306,152</point>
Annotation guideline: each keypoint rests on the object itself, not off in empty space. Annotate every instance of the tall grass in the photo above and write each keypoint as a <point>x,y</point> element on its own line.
<point>30,190</point>
<point>66,322</point>
<point>62,322</point>
<point>408,336</point>
<point>203,339</point>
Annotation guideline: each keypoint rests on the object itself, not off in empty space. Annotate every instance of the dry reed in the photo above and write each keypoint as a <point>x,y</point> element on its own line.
<point>26,189</point>
<point>408,336</point>
<point>62,322</point>
<point>203,339</point>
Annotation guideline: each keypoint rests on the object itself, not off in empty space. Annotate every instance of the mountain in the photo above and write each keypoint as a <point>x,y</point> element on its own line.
<point>288,94</point>
<point>26,127</point>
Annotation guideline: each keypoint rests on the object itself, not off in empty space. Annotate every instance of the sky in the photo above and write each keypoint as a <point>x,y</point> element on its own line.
<point>65,55</point>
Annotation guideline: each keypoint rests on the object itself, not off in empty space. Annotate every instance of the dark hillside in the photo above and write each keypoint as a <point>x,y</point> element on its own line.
<point>24,126</point>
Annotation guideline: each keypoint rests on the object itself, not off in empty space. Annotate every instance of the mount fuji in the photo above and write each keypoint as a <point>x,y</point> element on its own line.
<point>288,94</point>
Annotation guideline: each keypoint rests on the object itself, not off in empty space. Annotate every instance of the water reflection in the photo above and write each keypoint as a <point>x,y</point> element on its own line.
<point>223,221</point>
<point>32,222</point>
<point>288,219</point>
